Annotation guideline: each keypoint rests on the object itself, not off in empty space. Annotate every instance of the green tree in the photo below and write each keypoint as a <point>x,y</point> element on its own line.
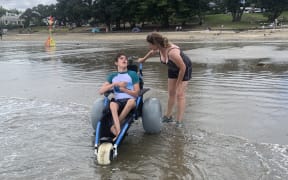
<point>273,8</point>
<point>159,11</point>
<point>74,11</point>
<point>133,12</point>
<point>164,12</point>
<point>27,16</point>
<point>236,7</point>
<point>102,12</point>
<point>118,12</point>
<point>36,14</point>
<point>187,9</point>
<point>2,11</point>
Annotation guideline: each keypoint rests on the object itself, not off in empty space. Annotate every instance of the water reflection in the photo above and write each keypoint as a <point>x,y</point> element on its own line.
<point>50,50</point>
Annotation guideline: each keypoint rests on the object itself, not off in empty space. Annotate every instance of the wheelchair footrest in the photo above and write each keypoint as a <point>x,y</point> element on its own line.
<point>106,139</point>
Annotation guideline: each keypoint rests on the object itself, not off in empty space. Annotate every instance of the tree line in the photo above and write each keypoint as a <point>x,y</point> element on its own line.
<point>159,12</point>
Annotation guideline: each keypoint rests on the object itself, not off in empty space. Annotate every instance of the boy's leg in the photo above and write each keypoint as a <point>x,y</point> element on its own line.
<point>130,104</point>
<point>115,129</point>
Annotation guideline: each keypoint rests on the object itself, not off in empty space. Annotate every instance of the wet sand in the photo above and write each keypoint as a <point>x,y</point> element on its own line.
<point>249,35</point>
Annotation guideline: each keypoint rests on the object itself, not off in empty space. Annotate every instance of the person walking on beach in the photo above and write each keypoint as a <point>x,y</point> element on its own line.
<point>179,73</point>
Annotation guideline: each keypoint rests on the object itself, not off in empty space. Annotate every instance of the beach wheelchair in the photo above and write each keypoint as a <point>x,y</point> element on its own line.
<point>101,119</point>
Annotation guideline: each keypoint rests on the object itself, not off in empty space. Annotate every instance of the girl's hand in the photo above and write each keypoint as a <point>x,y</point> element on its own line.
<point>141,60</point>
<point>149,54</point>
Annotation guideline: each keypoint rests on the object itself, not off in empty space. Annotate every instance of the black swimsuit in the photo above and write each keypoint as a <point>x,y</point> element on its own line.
<point>173,70</point>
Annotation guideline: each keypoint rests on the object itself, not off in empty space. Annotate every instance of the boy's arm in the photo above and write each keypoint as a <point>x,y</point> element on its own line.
<point>109,86</point>
<point>105,87</point>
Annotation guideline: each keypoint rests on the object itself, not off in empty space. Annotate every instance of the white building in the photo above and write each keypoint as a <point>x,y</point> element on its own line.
<point>11,19</point>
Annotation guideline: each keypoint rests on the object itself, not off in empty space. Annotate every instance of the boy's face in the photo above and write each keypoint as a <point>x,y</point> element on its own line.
<point>122,61</point>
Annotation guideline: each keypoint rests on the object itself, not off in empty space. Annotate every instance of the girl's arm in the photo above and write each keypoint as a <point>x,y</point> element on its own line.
<point>148,55</point>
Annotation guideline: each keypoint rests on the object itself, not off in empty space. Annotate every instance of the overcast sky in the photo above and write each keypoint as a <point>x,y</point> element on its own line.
<point>24,4</point>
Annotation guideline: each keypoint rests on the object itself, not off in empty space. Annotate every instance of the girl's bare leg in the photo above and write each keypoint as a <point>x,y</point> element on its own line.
<point>171,96</point>
<point>181,101</point>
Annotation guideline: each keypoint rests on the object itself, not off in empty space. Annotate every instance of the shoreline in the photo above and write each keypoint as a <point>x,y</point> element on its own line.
<point>249,35</point>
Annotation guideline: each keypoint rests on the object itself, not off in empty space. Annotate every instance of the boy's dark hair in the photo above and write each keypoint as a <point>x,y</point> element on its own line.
<point>118,55</point>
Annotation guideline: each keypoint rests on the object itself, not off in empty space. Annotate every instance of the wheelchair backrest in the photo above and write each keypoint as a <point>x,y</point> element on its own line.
<point>134,67</point>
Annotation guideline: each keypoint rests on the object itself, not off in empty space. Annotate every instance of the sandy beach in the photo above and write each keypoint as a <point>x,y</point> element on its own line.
<point>249,35</point>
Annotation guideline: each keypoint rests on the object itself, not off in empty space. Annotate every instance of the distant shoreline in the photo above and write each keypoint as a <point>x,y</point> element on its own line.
<point>205,35</point>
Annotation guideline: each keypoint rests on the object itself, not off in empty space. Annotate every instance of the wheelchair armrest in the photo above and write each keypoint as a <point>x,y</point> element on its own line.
<point>143,91</point>
<point>107,93</point>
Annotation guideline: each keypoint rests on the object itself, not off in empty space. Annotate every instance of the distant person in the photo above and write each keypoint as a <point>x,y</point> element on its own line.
<point>125,84</point>
<point>178,28</point>
<point>276,23</point>
<point>1,33</point>
<point>179,73</point>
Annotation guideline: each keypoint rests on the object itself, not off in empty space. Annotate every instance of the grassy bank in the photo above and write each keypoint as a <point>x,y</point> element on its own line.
<point>248,21</point>
<point>215,22</point>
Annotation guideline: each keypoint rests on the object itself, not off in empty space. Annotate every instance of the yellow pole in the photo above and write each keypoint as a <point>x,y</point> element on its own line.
<point>50,42</point>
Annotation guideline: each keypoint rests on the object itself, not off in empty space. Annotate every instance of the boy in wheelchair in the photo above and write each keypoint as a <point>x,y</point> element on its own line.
<point>112,117</point>
<point>126,88</point>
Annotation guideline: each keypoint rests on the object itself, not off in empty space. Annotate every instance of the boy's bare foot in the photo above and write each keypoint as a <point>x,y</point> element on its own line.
<point>115,132</point>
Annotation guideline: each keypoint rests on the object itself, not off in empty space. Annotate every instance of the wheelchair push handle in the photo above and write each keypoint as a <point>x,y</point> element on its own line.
<point>140,69</point>
<point>132,60</point>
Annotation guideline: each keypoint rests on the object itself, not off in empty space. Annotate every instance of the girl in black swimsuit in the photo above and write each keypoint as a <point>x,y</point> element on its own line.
<point>179,73</point>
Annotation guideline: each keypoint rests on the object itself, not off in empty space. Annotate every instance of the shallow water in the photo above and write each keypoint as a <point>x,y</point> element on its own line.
<point>235,121</point>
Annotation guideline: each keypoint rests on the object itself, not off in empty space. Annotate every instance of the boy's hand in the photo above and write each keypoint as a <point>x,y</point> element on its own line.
<point>122,84</point>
